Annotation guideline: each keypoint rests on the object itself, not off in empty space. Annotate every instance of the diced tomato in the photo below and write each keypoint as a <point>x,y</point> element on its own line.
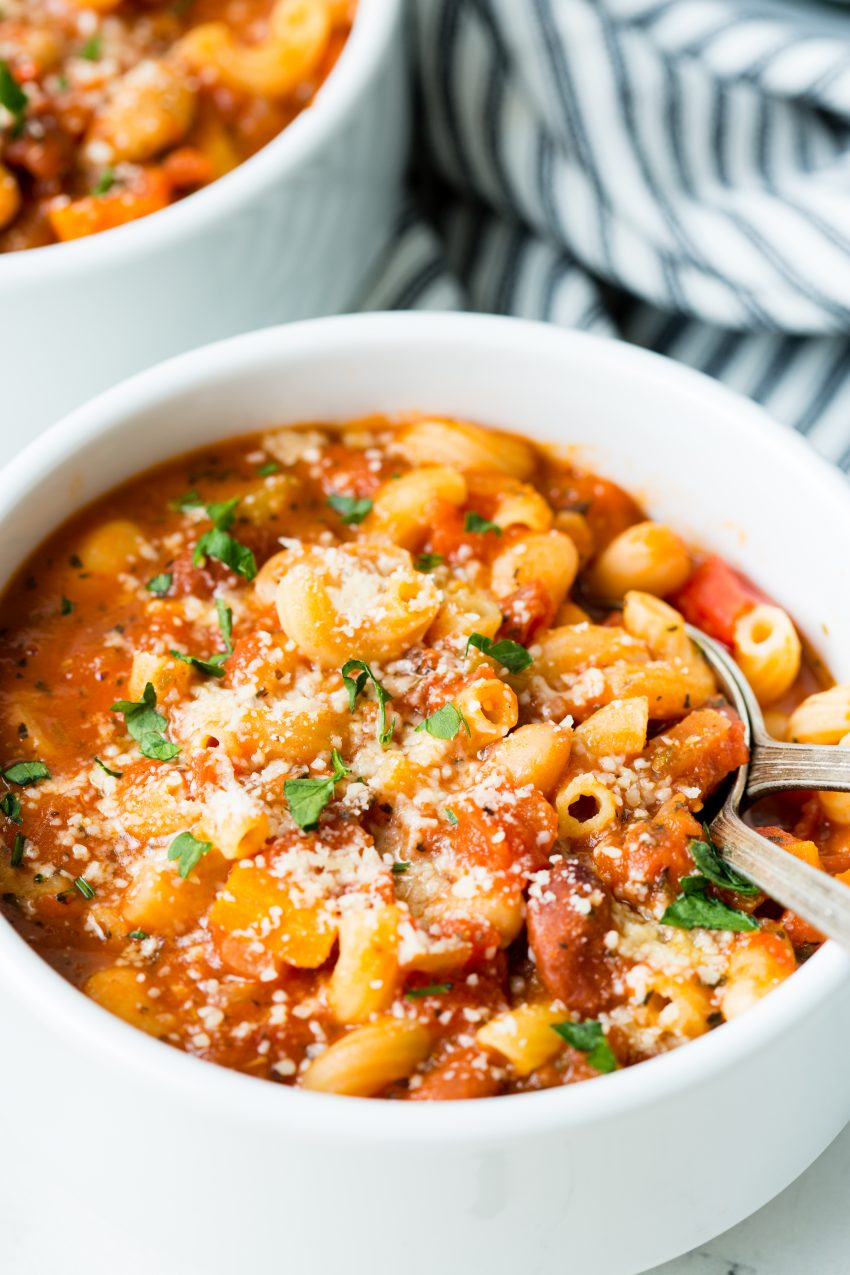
<point>715,598</point>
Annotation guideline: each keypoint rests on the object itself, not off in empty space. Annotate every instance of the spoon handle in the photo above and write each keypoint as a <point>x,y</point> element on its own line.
<point>812,894</point>
<point>775,767</point>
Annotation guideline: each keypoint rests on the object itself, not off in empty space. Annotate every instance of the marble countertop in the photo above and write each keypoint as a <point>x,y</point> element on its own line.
<point>804,1231</point>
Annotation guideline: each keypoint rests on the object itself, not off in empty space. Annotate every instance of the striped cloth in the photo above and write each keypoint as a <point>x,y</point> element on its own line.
<point>674,172</point>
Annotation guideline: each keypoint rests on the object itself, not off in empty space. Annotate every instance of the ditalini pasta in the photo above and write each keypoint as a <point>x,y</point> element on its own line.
<point>113,109</point>
<point>372,760</point>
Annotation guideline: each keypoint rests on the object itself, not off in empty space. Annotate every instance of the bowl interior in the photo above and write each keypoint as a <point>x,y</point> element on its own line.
<point>695,454</point>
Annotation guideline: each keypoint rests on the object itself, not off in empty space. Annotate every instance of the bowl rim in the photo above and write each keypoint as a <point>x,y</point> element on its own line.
<point>47,996</point>
<point>359,62</point>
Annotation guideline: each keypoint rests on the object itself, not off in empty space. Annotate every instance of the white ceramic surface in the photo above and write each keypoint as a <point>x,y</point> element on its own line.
<point>115,1147</point>
<point>292,234</point>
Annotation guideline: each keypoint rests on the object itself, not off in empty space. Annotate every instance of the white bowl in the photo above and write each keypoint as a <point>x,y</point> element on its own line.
<point>293,233</point>
<point>121,1148</point>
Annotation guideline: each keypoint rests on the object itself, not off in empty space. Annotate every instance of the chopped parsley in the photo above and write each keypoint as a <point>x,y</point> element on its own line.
<point>188,852</point>
<point>11,807</point>
<point>218,542</point>
<point>138,934</point>
<point>26,772</point>
<point>451,816</point>
<point>428,561</point>
<point>115,774</point>
<point>399,867</point>
<point>16,857</point>
<point>475,522</point>
<point>189,500</point>
<point>433,989</point>
<point>589,1038</point>
<point>695,909</point>
<point>214,665</point>
<point>12,96</point>
<point>146,725</point>
<point>92,50</point>
<point>84,888</point>
<point>351,509</point>
<point>509,654</point>
<point>307,798</point>
<point>160,584</point>
<point>705,856</point>
<point>66,606</point>
<point>104,183</point>
<point>445,723</point>
<point>270,467</point>
<point>356,685</point>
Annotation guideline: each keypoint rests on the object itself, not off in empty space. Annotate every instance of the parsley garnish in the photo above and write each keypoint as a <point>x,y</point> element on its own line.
<point>307,798</point>
<point>213,665</point>
<point>17,856</point>
<point>696,910</point>
<point>84,888</point>
<point>270,467</point>
<point>26,772</point>
<point>433,989</point>
<point>11,807</point>
<point>475,522</point>
<point>356,685</point>
<point>146,725</point>
<point>451,816</point>
<point>218,543</point>
<point>428,561</point>
<point>188,851</point>
<point>138,934</point>
<point>351,509</point>
<point>116,774</point>
<point>160,584</point>
<point>705,856</point>
<point>92,49</point>
<point>104,183</point>
<point>399,867</point>
<point>12,96</point>
<point>445,723</point>
<point>509,654</point>
<point>589,1038</point>
<point>66,606</point>
<point>189,500</point>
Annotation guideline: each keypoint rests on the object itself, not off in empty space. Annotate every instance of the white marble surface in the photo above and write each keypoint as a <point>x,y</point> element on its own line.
<point>804,1231</point>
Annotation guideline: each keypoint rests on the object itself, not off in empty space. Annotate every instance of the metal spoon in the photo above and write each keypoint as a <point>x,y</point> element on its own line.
<point>775,767</point>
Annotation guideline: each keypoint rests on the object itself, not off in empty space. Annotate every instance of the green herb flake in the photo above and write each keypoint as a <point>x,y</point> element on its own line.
<point>138,935</point>
<point>213,666</point>
<point>189,500</point>
<point>92,50</point>
<point>475,522</point>
<point>16,857</point>
<point>428,562</point>
<point>188,852</point>
<point>160,584</point>
<point>219,544</point>
<point>445,723</point>
<point>115,774</point>
<point>146,725</point>
<point>84,888</point>
<point>433,989</point>
<point>719,873</point>
<point>104,183</point>
<point>509,654</point>
<point>270,467</point>
<point>12,96</point>
<point>24,773</point>
<point>589,1038</point>
<point>66,606</point>
<point>351,509</point>
<point>307,798</point>
<point>695,909</point>
<point>451,816</point>
<point>355,687</point>
<point>11,807</point>
<point>399,868</point>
